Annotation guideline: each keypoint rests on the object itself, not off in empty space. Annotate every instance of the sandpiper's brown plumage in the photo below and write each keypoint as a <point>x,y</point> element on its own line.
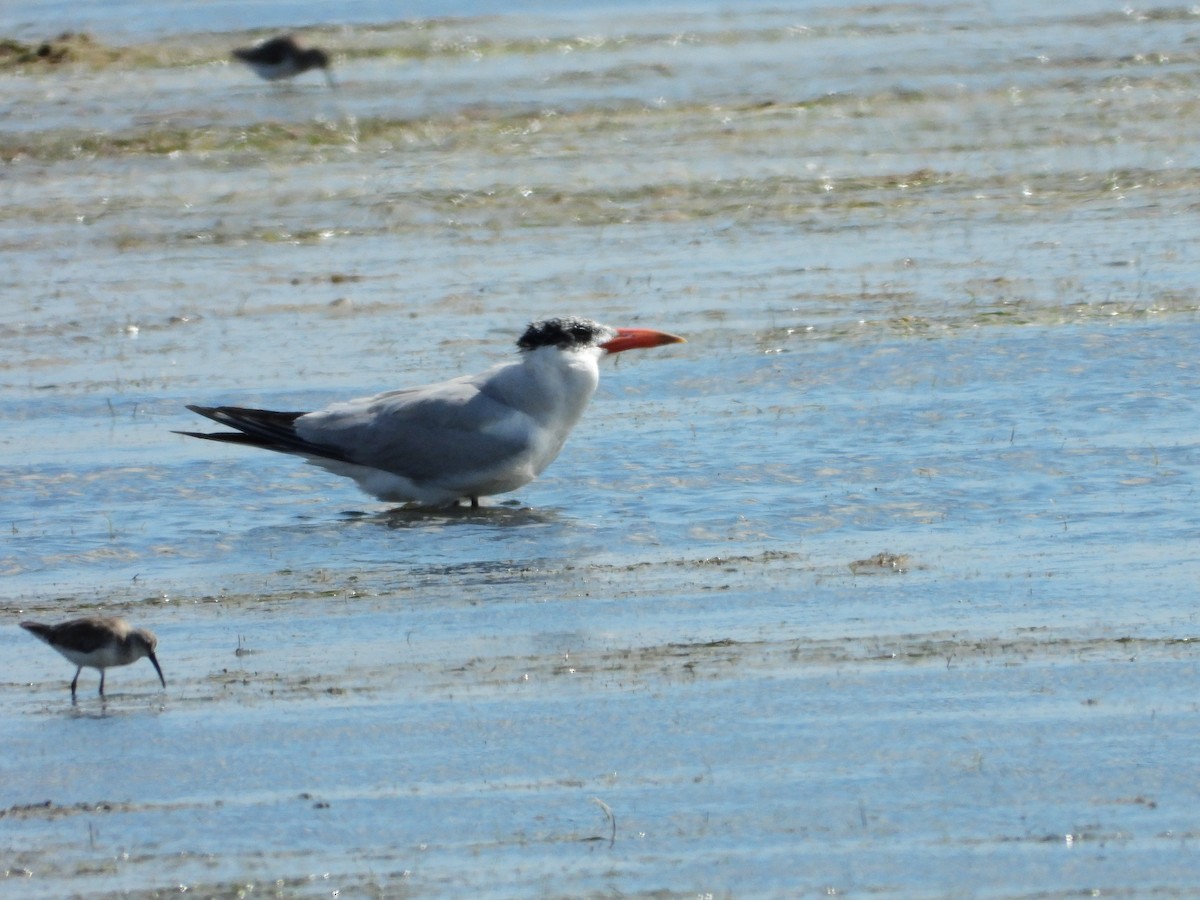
<point>98,642</point>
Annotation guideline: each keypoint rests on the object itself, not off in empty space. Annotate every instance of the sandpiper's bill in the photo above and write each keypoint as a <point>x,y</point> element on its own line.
<point>281,58</point>
<point>98,642</point>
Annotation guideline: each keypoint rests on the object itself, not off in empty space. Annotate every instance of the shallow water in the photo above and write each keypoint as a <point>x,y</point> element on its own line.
<point>880,583</point>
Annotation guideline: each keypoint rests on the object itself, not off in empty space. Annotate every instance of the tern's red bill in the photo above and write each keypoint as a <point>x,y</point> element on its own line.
<point>640,338</point>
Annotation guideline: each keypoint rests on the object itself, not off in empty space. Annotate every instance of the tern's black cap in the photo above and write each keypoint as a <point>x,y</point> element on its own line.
<point>564,333</point>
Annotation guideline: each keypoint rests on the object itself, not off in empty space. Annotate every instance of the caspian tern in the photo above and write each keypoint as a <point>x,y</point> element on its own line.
<point>470,437</point>
<point>98,642</point>
<point>282,57</point>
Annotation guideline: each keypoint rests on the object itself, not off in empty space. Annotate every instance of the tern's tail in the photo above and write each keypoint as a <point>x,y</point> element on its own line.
<point>263,428</point>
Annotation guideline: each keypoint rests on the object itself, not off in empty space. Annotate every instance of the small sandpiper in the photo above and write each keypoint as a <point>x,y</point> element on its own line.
<point>98,642</point>
<point>281,58</point>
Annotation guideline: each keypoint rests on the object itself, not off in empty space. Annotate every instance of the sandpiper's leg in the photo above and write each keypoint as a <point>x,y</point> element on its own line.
<point>474,503</point>
<point>75,681</point>
<point>101,682</point>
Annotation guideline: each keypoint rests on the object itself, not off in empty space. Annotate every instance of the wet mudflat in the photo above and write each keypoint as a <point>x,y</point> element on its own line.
<point>881,584</point>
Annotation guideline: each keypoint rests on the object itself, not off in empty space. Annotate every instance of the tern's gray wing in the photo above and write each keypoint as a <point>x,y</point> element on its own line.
<point>435,433</point>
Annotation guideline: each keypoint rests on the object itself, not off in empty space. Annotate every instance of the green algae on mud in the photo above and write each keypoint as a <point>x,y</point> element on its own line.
<point>67,48</point>
<point>82,52</point>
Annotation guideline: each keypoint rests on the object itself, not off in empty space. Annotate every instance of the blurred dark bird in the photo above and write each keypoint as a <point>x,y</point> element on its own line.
<point>281,58</point>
